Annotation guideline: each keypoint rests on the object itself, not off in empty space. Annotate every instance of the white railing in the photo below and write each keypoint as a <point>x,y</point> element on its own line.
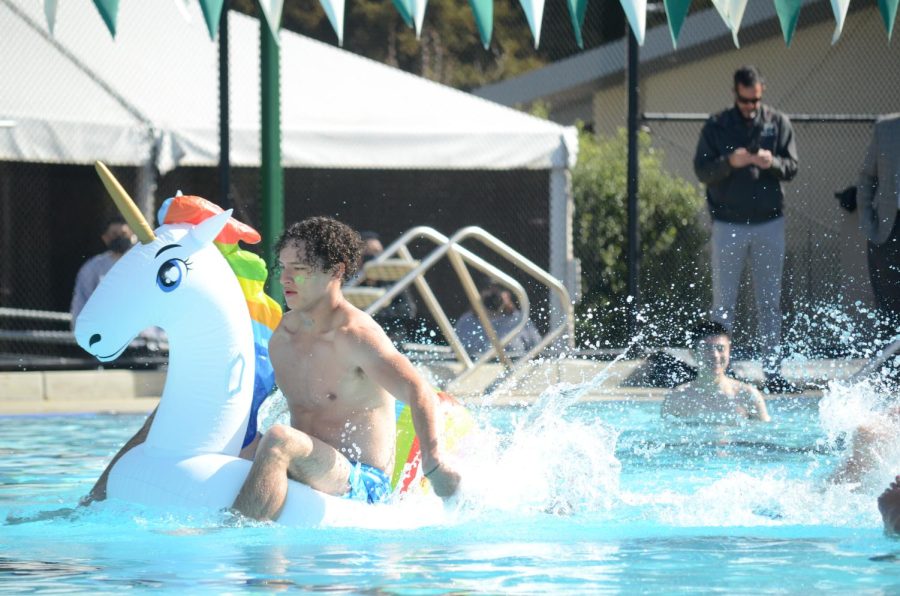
<point>560,336</point>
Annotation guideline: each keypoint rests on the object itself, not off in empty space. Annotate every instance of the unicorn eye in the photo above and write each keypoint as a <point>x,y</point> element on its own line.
<point>170,274</point>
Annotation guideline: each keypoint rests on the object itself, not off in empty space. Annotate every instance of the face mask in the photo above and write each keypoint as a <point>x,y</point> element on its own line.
<point>120,245</point>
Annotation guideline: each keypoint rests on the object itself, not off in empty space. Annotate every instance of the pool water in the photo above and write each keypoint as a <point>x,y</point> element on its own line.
<point>595,497</point>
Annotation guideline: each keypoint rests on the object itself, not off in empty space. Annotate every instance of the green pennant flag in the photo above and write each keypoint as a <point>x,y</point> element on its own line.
<point>108,9</point>
<point>405,11</point>
<point>888,10</point>
<point>577,8</point>
<point>484,19</point>
<point>788,14</point>
<point>212,13</point>
<point>676,11</point>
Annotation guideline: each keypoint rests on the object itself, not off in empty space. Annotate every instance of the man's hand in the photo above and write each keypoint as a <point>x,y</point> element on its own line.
<point>741,158</point>
<point>444,480</point>
<point>763,159</point>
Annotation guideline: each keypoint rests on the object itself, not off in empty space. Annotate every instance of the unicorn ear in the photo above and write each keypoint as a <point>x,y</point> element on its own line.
<point>207,230</point>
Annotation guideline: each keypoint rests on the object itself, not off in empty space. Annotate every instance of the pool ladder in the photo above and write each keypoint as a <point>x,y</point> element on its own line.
<point>397,265</point>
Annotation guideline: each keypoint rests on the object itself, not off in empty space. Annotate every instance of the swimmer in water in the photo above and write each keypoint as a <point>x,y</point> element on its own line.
<point>889,506</point>
<point>713,397</point>
<point>871,444</point>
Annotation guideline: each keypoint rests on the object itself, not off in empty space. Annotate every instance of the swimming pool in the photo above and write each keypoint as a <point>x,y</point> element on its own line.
<point>597,497</point>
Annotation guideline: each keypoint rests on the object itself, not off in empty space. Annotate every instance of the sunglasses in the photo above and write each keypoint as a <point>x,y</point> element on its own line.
<point>748,100</point>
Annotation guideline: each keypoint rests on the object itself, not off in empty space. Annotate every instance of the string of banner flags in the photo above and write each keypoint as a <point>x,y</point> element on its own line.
<point>413,14</point>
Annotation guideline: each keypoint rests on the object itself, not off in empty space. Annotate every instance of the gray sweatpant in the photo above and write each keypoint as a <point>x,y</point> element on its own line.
<point>763,243</point>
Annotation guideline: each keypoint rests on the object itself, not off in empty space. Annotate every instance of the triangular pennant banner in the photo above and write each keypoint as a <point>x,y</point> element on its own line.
<point>534,12</point>
<point>577,8</point>
<point>676,11</point>
<point>839,8</point>
<point>888,10</point>
<point>405,10</point>
<point>334,10</point>
<point>50,13</point>
<point>271,10</point>
<point>182,6</point>
<point>732,12</point>
<point>418,14</point>
<point>109,10</point>
<point>212,13</point>
<point>788,14</point>
<point>636,13</point>
<point>484,19</point>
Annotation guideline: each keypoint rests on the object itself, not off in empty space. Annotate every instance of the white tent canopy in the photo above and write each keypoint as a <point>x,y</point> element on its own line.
<point>149,98</point>
<point>80,95</point>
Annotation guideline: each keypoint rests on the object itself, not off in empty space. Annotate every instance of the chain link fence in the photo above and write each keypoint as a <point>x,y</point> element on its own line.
<point>53,215</point>
<point>825,284</point>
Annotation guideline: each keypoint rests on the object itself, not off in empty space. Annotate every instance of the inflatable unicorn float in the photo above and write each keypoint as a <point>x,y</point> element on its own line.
<point>190,278</point>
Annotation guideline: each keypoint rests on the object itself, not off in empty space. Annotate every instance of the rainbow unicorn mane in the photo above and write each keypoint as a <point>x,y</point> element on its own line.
<point>251,273</point>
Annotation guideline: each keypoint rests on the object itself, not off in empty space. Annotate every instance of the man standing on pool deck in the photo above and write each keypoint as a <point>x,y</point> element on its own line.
<point>340,374</point>
<point>743,155</point>
<point>713,397</point>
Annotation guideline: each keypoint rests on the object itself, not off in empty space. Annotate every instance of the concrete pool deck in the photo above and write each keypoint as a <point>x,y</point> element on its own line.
<point>126,391</point>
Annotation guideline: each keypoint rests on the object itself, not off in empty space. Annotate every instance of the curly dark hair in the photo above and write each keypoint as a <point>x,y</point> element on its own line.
<point>705,328</point>
<point>327,243</point>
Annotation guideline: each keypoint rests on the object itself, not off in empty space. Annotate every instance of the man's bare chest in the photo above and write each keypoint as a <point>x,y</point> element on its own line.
<point>313,374</point>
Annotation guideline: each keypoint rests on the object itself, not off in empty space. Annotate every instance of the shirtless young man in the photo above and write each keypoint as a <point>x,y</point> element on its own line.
<point>713,397</point>
<point>340,374</point>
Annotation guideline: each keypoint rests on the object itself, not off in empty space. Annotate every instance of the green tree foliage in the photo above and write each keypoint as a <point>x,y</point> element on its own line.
<point>674,276</point>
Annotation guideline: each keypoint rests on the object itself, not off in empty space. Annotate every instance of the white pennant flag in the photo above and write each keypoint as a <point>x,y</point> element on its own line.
<point>50,13</point>
<point>636,13</point>
<point>334,10</point>
<point>418,14</point>
<point>839,8</point>
<point>272,13</point>
<point>732,12</point>
<point>182,6</point>
<point>534,12</point>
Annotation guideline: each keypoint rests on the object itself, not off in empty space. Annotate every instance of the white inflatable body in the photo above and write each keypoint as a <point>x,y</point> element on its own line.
<point>182,283</point>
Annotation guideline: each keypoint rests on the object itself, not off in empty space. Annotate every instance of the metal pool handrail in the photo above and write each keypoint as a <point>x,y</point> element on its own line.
<point>459,257</point>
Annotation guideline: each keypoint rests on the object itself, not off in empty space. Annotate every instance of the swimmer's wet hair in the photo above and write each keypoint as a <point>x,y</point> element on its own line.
<point>327,243</point>
<point>706,328</point>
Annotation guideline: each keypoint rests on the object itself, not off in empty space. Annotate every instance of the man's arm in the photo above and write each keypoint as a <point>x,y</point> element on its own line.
<point>80,293</point>
<point>710,165</point>
<point>757,405</point>
<point>387,367</point>
<point>783,163</point>
<point>98,492</point>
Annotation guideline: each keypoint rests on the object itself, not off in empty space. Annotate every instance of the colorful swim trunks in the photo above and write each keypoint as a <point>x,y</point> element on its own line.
<point>368,483</point>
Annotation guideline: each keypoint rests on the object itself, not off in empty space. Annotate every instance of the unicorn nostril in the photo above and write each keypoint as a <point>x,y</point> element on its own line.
<point>94,339</point>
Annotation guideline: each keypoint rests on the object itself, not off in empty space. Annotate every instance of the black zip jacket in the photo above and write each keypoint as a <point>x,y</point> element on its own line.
<point>745,195</point>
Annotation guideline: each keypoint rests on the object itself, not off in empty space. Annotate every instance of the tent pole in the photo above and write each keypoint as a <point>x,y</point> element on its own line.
<point>271,174</point>
<point>632,186</point>
<point>562,208</point>
<point>224,115</point>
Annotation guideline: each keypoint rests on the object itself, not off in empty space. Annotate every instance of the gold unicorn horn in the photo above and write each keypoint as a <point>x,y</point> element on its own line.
<point>127,208</point>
